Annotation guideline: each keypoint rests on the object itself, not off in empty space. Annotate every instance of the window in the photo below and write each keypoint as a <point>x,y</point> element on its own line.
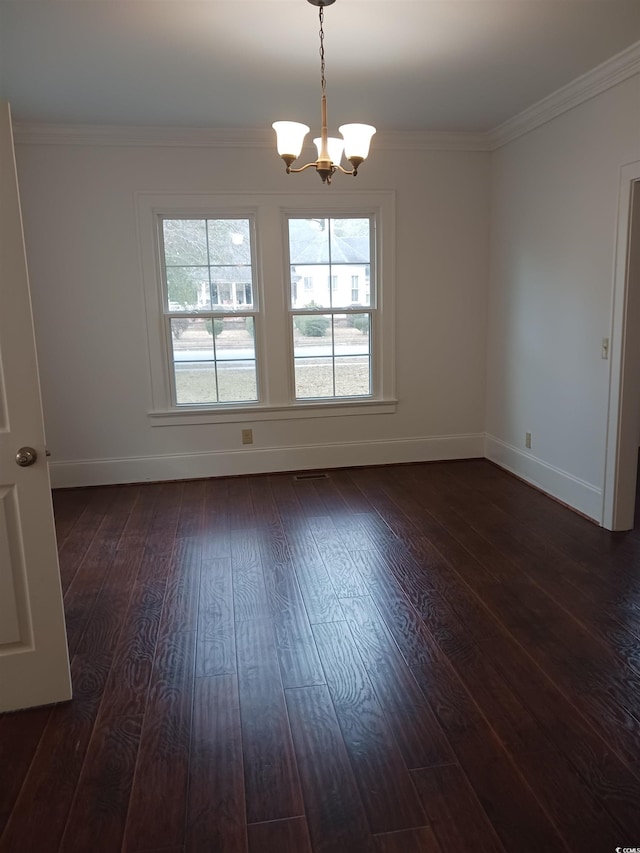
<point>207,277</point>
<point>355,288</point>
<point>331,341</point>
<point>268,306</point>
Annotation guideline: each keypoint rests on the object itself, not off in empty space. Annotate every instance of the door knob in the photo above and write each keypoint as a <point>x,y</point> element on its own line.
<point>26,456</point>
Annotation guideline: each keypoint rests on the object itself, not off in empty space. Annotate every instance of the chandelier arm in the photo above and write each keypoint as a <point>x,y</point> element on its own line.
<point>302,168</point>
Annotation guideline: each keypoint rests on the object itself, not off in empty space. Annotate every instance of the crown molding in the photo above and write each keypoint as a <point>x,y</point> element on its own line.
<point>417,140</point>
<point>616,70</point>
<point>35,133</point>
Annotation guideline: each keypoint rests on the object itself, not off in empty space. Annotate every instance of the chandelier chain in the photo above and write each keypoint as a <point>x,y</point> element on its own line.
<point>322,63</point>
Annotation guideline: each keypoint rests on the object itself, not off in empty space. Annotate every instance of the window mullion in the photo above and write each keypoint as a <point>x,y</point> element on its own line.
<point>275,343</point>
<point>333,351</point>
<point>212,315</point>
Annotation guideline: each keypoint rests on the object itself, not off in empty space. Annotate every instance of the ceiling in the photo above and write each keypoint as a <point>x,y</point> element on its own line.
<point>443,65</point>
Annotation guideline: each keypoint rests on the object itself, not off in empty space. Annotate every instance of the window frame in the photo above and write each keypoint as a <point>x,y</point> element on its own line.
<point>371,309</point>
<point>217,310</point>
<point>275,378</point>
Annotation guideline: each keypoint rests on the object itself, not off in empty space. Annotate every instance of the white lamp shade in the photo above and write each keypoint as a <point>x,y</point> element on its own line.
<point>334,145</point>
<point>289,137</point>
<point>357,138</point>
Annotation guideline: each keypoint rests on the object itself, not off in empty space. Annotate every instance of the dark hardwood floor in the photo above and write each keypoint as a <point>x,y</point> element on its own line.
<point>429,658</point>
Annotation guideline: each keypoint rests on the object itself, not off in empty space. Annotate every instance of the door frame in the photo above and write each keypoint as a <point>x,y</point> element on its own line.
<point>623,420</point>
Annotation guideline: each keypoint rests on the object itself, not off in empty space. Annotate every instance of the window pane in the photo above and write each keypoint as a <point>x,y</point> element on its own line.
<point>235,355</point>
<point>229,241</point>
<point>231,287</point>
<point>195,383</point>
<point>310,286</point>
<point>188,288</point>
<point>237,381</point>
<point>193,362</point>
<point>314,377</point>
<point>181,328</point>
<point>234,338</point>
<point>350,241</point>
<point>350,261</point>
<point>352,331</point>
<point>185,242</point>
<point>191,339</point>
<point>342,291</point>
<point>309,241</point>
<point>353,376</point>
<point>312,335</point>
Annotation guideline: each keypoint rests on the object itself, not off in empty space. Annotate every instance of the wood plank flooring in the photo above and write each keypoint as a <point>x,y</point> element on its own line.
<point>430,658</point>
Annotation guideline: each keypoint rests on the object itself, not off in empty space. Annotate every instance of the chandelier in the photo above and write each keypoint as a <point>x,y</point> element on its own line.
<point>355,137</point>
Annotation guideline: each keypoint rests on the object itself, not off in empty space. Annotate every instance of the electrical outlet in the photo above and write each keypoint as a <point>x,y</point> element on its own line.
<point>247,436</point>
<point>527,440</point>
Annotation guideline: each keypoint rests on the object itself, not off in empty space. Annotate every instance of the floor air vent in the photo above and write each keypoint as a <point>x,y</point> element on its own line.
<point>314,475</point>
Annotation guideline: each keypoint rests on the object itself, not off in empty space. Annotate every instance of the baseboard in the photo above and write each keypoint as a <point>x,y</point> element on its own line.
<point>582,496</point>
<point>225,463</point>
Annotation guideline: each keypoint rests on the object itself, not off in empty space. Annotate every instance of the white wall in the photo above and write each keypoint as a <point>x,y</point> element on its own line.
<point>554,216</point>
<point>80,229</point>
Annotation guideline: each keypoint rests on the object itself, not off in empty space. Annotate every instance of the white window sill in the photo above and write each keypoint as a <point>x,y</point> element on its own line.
<point>295,411</point>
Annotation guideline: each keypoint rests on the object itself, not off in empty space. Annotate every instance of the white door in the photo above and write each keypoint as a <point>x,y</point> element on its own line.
<point>34,662</point>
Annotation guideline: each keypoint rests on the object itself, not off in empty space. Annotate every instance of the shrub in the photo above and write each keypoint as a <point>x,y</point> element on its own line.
<point>215,325</point>
<point>179,325</point>
<point>360,322</point>
<point>311,325</point>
